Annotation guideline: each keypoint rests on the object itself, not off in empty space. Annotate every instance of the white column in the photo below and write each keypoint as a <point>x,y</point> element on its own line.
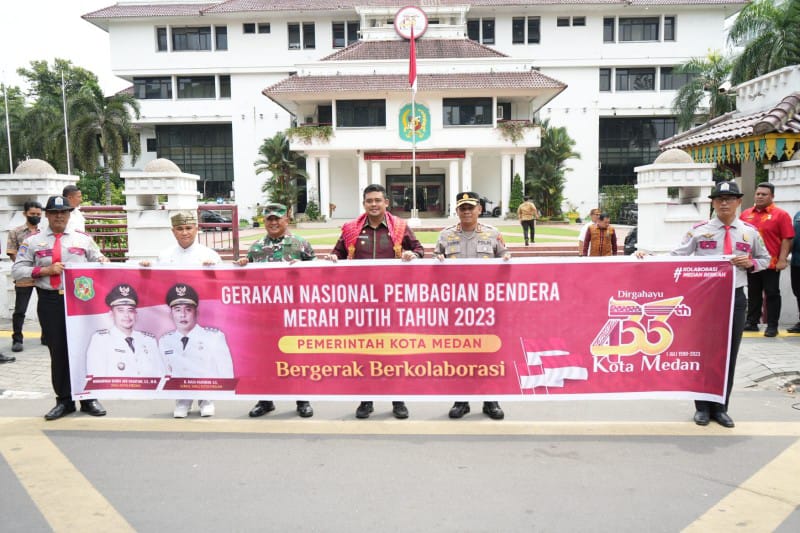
<point>466,173</point>
<point>312,183</point>
<point>452,190</point>
<point>325,186</point>
<point>363,176</point>
<point>505,182</point>
<point>376,174</point>
<point>519,168</point>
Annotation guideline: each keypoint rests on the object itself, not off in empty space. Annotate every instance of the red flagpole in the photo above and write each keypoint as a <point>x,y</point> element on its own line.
<point>412,80</point>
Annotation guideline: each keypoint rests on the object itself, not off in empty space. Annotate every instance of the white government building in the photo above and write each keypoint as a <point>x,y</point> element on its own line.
<point>215,79</point>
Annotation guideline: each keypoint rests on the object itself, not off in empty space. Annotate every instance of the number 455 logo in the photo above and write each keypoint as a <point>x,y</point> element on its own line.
<point>634,328</point>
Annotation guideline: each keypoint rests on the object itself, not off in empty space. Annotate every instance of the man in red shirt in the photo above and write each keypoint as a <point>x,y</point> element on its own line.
<point>775,226</point>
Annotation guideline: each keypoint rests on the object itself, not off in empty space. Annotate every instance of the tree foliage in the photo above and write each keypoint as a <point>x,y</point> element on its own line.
<point>708,74</point>
<point>769,32</point>
<point>545,169</point>
<point>516,194</point>
<point>284,165</point>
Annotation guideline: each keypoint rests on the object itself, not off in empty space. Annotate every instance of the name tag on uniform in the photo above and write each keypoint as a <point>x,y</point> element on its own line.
<point>708,245</point>
<point>743,247</point>
<point>484,248</point>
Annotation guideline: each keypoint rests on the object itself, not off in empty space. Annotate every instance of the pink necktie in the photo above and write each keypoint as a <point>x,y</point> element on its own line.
<point>55,281</point>
<point>727,247</point>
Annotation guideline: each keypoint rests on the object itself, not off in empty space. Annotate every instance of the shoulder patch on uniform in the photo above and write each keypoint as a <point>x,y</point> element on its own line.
<point>699,224</point>
<point>211,330</point>
<point>148,334</point>
<point>103,332</point>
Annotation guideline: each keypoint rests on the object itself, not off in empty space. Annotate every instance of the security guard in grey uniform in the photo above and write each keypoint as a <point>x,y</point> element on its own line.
<point>726,235</point>
<point>42,257</point>
<point>122,351</point>
<point>470,239</point>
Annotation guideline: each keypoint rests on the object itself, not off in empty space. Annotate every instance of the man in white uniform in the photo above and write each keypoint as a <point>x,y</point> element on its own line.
<point>122,351</point>
<point>188,252</point>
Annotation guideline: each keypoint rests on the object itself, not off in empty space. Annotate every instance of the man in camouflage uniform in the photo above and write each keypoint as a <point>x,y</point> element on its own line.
<point>278,245</point>
<point>471,240</point>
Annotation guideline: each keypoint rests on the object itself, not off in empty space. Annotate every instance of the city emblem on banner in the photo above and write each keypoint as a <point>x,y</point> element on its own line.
<point>417,126</point>
<point>84,288</point>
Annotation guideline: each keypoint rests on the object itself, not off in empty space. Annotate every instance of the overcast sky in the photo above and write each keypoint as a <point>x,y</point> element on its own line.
<point>46,29</point>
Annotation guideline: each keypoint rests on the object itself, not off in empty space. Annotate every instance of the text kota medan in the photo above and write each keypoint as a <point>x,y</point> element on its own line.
<point>359,295</point>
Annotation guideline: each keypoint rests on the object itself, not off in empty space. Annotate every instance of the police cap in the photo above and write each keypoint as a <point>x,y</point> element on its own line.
<point>471,198</point>
<point>122,294</point>
<point>181,293</point>
<point>726,188</point>
<point>58,203</point>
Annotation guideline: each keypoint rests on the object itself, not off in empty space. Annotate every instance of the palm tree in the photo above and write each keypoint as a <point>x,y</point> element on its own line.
<point>545,168</point>
<point>100,128</point>
<point>708,74</point>
<point>769,34</point>
<point>278,159</point>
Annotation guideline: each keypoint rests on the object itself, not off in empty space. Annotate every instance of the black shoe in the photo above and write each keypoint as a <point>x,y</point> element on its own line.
<point>261,408</point>
<point>364,410</point>
<point>751,327</point>
<point>92,407</point>
<point>16,347</point>
<point>458,410</point>
<point>61,409</point>
<point>399,410</point>
<point>771,332</point>
<point>722,418</point>
<point>7,358</point>
<point>492,409</point>
<point>304,409</point>
<point>794,329</point>
<point>701,417</point>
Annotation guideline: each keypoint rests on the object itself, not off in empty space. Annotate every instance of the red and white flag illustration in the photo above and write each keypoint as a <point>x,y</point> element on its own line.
<point>412,63</point>
<point>549,367</point>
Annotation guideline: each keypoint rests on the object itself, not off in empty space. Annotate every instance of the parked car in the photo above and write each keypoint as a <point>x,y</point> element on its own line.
<point>212,217</point>
<point>628,214</point>
<point>631,240</point>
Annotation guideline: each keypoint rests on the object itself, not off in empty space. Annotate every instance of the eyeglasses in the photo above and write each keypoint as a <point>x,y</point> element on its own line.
<point>726,199</point>
<point>466,207</point>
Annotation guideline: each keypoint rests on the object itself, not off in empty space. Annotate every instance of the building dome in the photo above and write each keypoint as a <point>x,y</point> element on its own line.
<point>35,167</point>
<point>673,155</point>
<point>162,165</point>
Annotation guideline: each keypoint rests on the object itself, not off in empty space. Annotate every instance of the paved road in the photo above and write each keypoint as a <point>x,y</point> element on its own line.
<point>555,466</point>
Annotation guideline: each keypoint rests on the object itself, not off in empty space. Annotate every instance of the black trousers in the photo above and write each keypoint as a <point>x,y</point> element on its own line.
<point>528,226</point>
<point>739,310</point>
<point>54,327</point>
<point>795,273</point>
<point>20,308</point>
<point>767,282</point>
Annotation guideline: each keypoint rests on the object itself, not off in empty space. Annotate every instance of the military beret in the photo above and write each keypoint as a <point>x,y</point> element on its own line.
<point>58,203</point>
<point>274,210</point>
<point>183,218</point>
<point>122,294</point>
<point>181,293</point>
<point>467,198</point>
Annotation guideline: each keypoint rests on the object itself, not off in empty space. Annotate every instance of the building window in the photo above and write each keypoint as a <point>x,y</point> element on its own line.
<point>294,36</point>
<point>638,29</point>
<point>635,79</point>
<point>224,86</point>
<point>198,38</point>
<point>467,111</point>
<point>264,27</point>
<point>152,88</point>
<point>205,150</point>
<point>345,33</point>
<point>161,39</point>
<point>249,27</point>
<point>305,40</point>
<point>221,37</point>
<point>626,143</point>
<point>196,87</point>
<point>152,145</point>
<point>672,81</point>
<point>360,113</point>
<point>608,30</point>
<point>309,37</point>
<point>579,21</point>
<point>669,28</point>
<point>605,79</point>
<point>562,22</point>
<point>518,27</point>
<point>481,30</point>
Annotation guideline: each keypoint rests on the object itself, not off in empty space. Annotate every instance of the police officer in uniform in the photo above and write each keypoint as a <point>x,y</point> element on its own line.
<point>276,246</point>
<point>192,350</point>
<point>122,351</point>
<point>470,239</point>
<point>42,257</point>
<point>726,234</point>
<point>187,252</point>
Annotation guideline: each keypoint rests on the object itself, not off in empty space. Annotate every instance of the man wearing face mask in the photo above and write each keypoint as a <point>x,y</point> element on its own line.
<point>24,287</point>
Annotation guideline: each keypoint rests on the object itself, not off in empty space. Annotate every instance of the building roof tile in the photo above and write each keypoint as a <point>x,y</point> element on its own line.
<point>426,49</point>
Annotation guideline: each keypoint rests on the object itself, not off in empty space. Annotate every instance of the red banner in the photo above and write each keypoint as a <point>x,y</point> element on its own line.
<point>523,330</point>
